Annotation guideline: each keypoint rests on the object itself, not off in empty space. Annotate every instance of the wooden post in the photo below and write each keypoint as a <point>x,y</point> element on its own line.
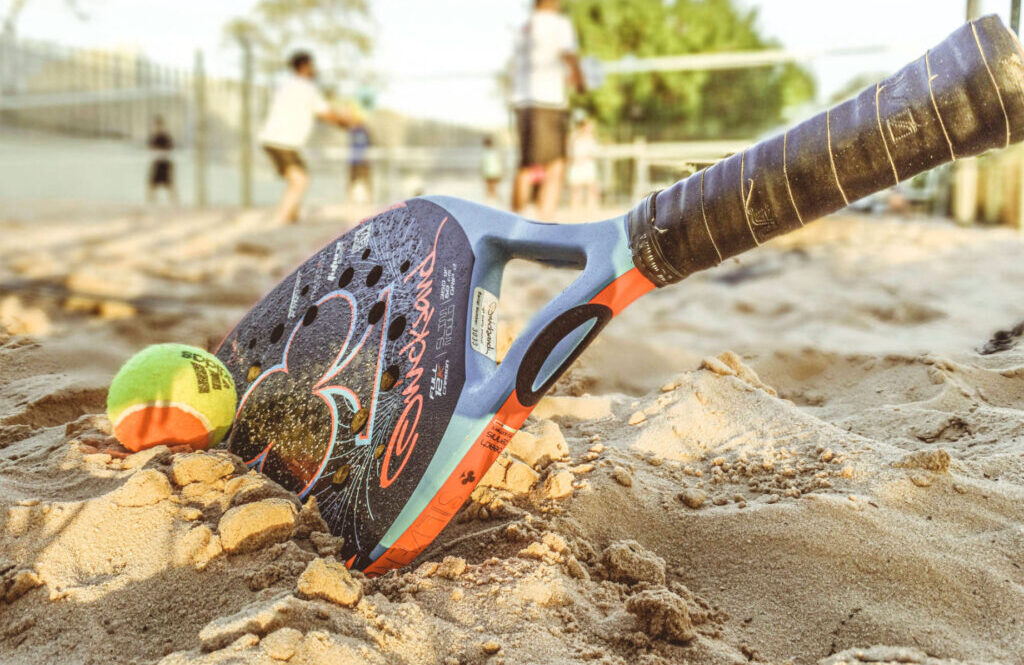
<point>393,175</point>
<point>604,178</point>
<point>106,70</point>
<point>1016,219</point>
<point>200,144</point>
<point>992,181</point>
<point>143,106</point>
<point>1015,16</point>
<point>8,64</point>
<point>965,190</point>
<point>965,172</point>
<point>642,175</point>
<point>246,125</point>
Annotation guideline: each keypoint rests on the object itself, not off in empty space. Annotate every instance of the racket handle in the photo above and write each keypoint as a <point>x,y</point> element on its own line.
<point>960,99</point>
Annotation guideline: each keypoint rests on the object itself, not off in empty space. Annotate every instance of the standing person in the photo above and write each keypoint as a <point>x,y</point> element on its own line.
<point>161,171</point>
<point>360,189</point>
<point>297,104</point>
<point>545,61</point>
<point>491,168</point>
<point>583,190</point>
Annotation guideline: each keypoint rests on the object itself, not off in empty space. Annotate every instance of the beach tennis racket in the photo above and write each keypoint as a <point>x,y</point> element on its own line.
<point>367,378</point>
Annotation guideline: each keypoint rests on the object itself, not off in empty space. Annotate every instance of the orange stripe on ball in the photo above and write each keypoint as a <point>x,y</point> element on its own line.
<point>150,426</point>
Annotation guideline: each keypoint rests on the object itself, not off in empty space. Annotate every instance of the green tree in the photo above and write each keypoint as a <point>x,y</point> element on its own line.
<point>339,30</point>
<point>690,104</point>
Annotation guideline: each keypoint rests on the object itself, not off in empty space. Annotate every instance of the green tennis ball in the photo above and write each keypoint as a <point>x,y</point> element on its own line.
<point>171,394</point>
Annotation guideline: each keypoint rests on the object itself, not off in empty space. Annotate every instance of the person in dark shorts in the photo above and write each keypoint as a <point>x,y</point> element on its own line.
<point>161,170</point>
<point>545,61</point>
<point>360,186</point>
<point>297,104</point>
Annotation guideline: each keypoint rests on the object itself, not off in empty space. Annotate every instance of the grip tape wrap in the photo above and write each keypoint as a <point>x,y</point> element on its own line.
<point>960,99</point>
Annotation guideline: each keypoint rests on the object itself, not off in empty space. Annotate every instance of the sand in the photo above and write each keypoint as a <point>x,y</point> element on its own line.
<point>798,456</point>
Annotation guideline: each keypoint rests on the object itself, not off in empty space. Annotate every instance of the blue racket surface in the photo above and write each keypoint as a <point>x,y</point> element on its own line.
<point>367,378</point>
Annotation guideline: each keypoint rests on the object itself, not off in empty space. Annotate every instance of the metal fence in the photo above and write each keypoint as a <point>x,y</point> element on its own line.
<point>69,115</point>
<point>74,123</point>
<point>110,94</point>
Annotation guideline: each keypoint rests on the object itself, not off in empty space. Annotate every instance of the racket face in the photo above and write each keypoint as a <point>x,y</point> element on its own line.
<point>367,377</point>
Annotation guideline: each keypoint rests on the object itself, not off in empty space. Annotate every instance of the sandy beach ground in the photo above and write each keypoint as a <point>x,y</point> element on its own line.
<point>797,456</point>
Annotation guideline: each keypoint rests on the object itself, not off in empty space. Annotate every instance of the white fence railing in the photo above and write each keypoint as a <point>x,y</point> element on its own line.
<point>391,165</point>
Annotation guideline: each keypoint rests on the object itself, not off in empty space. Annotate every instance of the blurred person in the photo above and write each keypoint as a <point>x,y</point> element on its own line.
<point>583,188</point>
<point>491,168</point>
<point>897,201</point>
<point>161,170</point>
<point>297,104</point>
<point>360,189</point>
<point>545,61</point>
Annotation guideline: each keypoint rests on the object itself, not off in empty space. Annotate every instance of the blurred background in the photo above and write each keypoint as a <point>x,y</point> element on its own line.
<point>680,84</point>
<point>860,381</point>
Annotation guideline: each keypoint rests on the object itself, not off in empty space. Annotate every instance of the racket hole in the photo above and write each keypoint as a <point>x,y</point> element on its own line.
<point>346,277</point>
<point>305,290</point>
<point>509,316</point>
<point>376,312</point>
<point>341,475</point>
<point>374,275</point>
<point>252,343</point>
<point>389,378</point>
<point>253,373</point>
<point>396,328</point>
<point>359,419</point>
<point>366,253</point>
<point>404,266</point>
<point>276,333</point>
<point>310,316</point>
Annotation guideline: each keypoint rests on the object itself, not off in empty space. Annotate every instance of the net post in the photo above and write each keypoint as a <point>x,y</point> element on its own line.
<point>642,176</point>
<point>200,136</point>
<point>965,191</point>
<point>1016,205</point>
<point>245,124</point>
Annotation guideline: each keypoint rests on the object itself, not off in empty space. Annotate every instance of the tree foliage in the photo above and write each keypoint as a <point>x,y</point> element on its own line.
<point>338,30</point>
<point>683,105</point>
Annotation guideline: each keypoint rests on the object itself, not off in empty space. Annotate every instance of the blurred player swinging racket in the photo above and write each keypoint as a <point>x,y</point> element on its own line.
<point>297,104</point>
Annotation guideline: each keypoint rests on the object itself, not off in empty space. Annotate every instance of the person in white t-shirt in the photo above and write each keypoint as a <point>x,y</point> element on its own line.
<point>296,106</point>
<point>545,61</point>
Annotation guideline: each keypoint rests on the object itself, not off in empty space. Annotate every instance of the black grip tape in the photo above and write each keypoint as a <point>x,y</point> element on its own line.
<point>960,99</point>
<point>725,214</point>
<point>769,208</point>
<point>809,171</point>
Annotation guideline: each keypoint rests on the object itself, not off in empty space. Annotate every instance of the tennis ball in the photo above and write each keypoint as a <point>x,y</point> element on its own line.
<point>171,394</point>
